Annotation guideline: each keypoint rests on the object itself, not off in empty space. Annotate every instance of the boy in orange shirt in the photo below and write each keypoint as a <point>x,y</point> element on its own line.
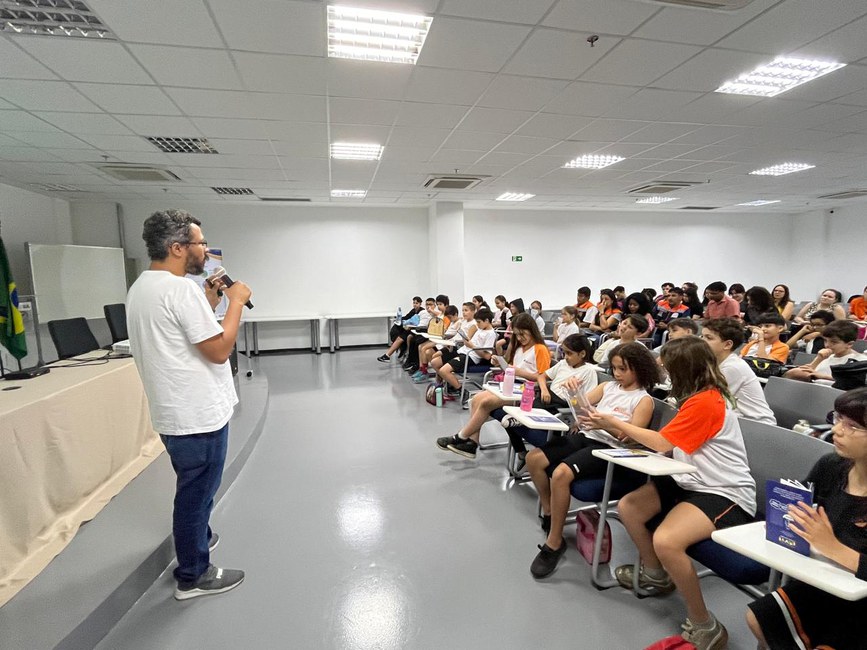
<point>767,344</point>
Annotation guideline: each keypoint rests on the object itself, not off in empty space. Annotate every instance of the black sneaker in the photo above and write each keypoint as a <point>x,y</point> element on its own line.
<point>451,390</point>
<point>547,559</point>
<point>546,523</point>
<point>466,448</point>
<point>521,462</point>
<point>212,581</point>
<point>443,443</point>
<point>384,358</point>
<point>411,368</point>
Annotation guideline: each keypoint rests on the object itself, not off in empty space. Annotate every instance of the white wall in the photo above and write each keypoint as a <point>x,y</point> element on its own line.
<point>305,260</point>
<point>94,224</point>
<point>564,250</point>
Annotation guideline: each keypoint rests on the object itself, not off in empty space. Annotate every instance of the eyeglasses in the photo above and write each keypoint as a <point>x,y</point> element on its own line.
<point>196,243</point>
<point>851,429</point>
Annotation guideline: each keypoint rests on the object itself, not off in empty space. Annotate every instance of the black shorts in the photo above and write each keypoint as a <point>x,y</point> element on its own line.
<point>447,354</point>
<point>458,362</point>
<point>798,616</point>
<point>722,512</point>
<point>576,451</point>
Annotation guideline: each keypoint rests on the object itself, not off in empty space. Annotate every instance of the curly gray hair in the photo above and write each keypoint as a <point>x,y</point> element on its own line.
<point>164,228</point>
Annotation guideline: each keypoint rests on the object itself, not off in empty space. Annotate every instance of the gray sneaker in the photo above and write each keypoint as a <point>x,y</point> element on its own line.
<point>212,581</point>
<point>713,638</point>
<point>657,586</point>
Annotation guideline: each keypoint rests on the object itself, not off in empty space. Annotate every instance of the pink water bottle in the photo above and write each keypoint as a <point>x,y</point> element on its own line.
<point>527,396</point>
<point>508,381</point>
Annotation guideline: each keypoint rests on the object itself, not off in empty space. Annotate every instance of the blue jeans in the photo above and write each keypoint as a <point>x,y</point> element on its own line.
<point>198,461</point>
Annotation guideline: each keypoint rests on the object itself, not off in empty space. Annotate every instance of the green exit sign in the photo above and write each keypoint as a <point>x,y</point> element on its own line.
<point>517,258</point>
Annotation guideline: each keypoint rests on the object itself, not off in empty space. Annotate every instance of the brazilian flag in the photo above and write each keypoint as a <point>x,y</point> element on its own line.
<point>11,324</point>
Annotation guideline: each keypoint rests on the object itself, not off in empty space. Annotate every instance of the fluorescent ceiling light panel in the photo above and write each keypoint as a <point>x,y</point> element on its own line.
<point>782,169</point>
<point>348,194</point>
<point>778,76</point>
<point>592,162</point>
<point>372,35</point>
<point>356,151</point>
<point>71,18</point>
<point>656,199</point>
<point>758,202</point>
<point>514,196</point>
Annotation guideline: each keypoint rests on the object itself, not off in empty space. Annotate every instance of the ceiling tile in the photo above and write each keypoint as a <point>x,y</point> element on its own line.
<point>408,136</point>
<point>78,123</point>
<point>159,21</point>
<point>79,59</point>
<point>845,44</point>
<point>358,133</point>
<point>651,104</point>
<point>22,121</point>
<point>548,125</point>
<point>686,25</point>
<point>213,103</point>
<point>296,108</point>
<point>446,157</point>
<point>710,108</point>
<point>118,142</point>
<point>659,132</point>
<point>300,149</point>
<point>362,111</point>
<point>791,24</point>
<point>45,96</point>
<point>520,93</point>
<point>599,16</point>
<point>589,99</point>
<point>836,85</point>
<point>766,111</point>
<point>277,26</point>
<point>818,117</point>
<point>241,147</point>
<point>278,73</point>
<point>709,70</point>
<point>470,44</point>
<point>494,120</point>
<point>611,130</point>
<point>233,128</point>
<point>26,154</point>
<point>447,86</point>
<point>557,54</point>
<point>639,63</point>
<point>478,141</point>
<point>124,99</point>
<point>524,145</point>
<point>18,64</point>
<point>190,67</point>
<point>511,11</point>
<point>432,115</point>
<point>294,131</point>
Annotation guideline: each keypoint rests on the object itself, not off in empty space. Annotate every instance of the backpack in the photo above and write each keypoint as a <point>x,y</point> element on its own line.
<point>430,394</point>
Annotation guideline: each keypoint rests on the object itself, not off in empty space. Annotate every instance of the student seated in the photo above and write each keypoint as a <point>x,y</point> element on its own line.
<point>502,314</point>
<point>670,308</point>
<point>783,302</point>
<point>722,493</point>
<point>608,314</point>
<point>639,303</point>
<point>428,349</point>
<point>666,287</point>
<point>829,301</point>
<point>554,465</point>
<point>516,307</point>
<point>586,309</point>
<point>438,323</point>
<point>630,328</point>
<point>566,326</point>
<point>576,363</point>
<point>808,338</point>
<point>759,301</point>
<point>839,337</point>
<point>766,343</point>
<point>453,361</point>
<point>799,615</point>
<point>724,336</point>
<point>720,305</point>
<point>420,320</point>
<point>536,313</point>
<point>529,356</point>
<point>397,329</point>
<point>858,307</point>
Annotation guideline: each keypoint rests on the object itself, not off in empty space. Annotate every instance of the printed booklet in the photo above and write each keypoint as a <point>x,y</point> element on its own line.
<point>779,495</point>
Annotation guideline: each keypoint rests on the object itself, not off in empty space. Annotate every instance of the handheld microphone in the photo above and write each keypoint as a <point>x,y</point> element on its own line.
<point>220,274</point>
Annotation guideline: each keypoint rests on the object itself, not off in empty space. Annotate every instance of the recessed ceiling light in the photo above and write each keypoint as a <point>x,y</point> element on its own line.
<point>356,151</point>
<point>514,196</point>
<point>372,35</point>
<point>71,18</point>
<point>592,162</point>
<point>758,202</point>
<point>657,199</point>
<point>782,169</point>
<point>778,76</point>
<point>348,194</point>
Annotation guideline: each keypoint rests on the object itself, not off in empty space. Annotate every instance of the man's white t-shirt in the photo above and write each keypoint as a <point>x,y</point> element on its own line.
<point>167,316</point>
<point>746,390</point>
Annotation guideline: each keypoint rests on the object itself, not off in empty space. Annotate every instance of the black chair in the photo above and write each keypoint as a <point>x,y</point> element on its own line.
<point>115,316</point>
<point>71,337</point>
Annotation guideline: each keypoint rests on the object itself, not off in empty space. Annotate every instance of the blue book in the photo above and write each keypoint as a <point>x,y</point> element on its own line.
<point>779,495</point>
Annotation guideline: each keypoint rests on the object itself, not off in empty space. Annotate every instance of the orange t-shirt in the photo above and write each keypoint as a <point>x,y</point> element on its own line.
<point>699,419</point>
<point>858,308</point>
<point>779,351</point>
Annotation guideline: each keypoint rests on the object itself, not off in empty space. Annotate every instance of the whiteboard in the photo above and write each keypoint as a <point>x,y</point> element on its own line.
<point>74,281</point>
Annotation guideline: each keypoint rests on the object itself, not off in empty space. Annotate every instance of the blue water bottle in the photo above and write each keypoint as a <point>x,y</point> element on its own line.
<point>399,316</point>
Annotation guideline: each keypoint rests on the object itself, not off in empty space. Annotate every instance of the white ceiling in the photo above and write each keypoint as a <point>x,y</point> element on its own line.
<point>506,88</point>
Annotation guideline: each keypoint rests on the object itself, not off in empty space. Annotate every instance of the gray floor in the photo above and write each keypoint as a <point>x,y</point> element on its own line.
<point>356,532</point>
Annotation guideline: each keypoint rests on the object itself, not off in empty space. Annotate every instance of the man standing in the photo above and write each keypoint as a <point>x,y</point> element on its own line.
<point>182,353</point>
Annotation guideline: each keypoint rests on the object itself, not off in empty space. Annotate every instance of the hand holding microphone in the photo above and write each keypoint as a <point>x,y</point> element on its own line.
<point>237,291</point>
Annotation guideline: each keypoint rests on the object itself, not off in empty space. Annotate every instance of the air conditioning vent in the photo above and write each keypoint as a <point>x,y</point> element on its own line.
<point>850,194</point>
<point>661,187</point>
<point>452,181</point>
<point>699,207</point>
<point>285,199</point>
<point>181,145</point>
<point>718,5</point>
<point>54,187</point>
<point>233,191</point>
<point>139,173</point>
